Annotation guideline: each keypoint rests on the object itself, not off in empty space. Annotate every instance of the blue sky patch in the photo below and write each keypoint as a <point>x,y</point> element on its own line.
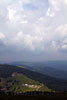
<point>29,6</point>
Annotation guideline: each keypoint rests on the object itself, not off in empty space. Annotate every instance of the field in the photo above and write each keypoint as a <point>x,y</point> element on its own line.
<point>19,83</point>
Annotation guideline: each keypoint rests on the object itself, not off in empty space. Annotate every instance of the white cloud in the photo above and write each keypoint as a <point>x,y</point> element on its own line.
<point>49,13</point>
<point>57,4</point>
<point>11,14</point>
<point>24,22</point>
<point>43,29</point>
<point>27,41</point>
<point>65,1</point>
<point>23,40</point>
<point>62,31</point>
<point>55,46</point>
<point>2,36</point>
<point>64,47</point>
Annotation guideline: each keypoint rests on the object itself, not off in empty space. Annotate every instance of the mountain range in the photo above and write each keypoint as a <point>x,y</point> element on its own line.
<point>15,75</point>
<point>57,69</point>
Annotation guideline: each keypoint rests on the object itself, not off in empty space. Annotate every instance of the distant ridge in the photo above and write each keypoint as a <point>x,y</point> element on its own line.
<point>57,69</point>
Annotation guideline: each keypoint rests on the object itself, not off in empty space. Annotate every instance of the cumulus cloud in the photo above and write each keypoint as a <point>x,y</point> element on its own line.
<point>62,30</point>
<point>2,36</point>
<point>49,13</point>
<point>34,25</point>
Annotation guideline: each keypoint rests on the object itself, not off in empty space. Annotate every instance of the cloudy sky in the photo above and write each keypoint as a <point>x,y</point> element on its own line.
<point>33,30</point>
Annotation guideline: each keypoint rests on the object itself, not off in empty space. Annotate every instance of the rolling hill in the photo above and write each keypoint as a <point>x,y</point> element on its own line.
<point>20,83</point>
<point>52,83</point>
<point>55,69</point>
<point>53,72</point>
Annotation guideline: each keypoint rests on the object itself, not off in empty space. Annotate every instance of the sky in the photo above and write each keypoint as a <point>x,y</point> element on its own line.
<point>33,30</point>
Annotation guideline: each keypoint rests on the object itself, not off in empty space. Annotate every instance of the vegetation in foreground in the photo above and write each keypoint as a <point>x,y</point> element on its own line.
<point>35,96</point>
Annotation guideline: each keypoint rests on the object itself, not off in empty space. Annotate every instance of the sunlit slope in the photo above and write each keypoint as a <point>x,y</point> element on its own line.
<point>21,83</point>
